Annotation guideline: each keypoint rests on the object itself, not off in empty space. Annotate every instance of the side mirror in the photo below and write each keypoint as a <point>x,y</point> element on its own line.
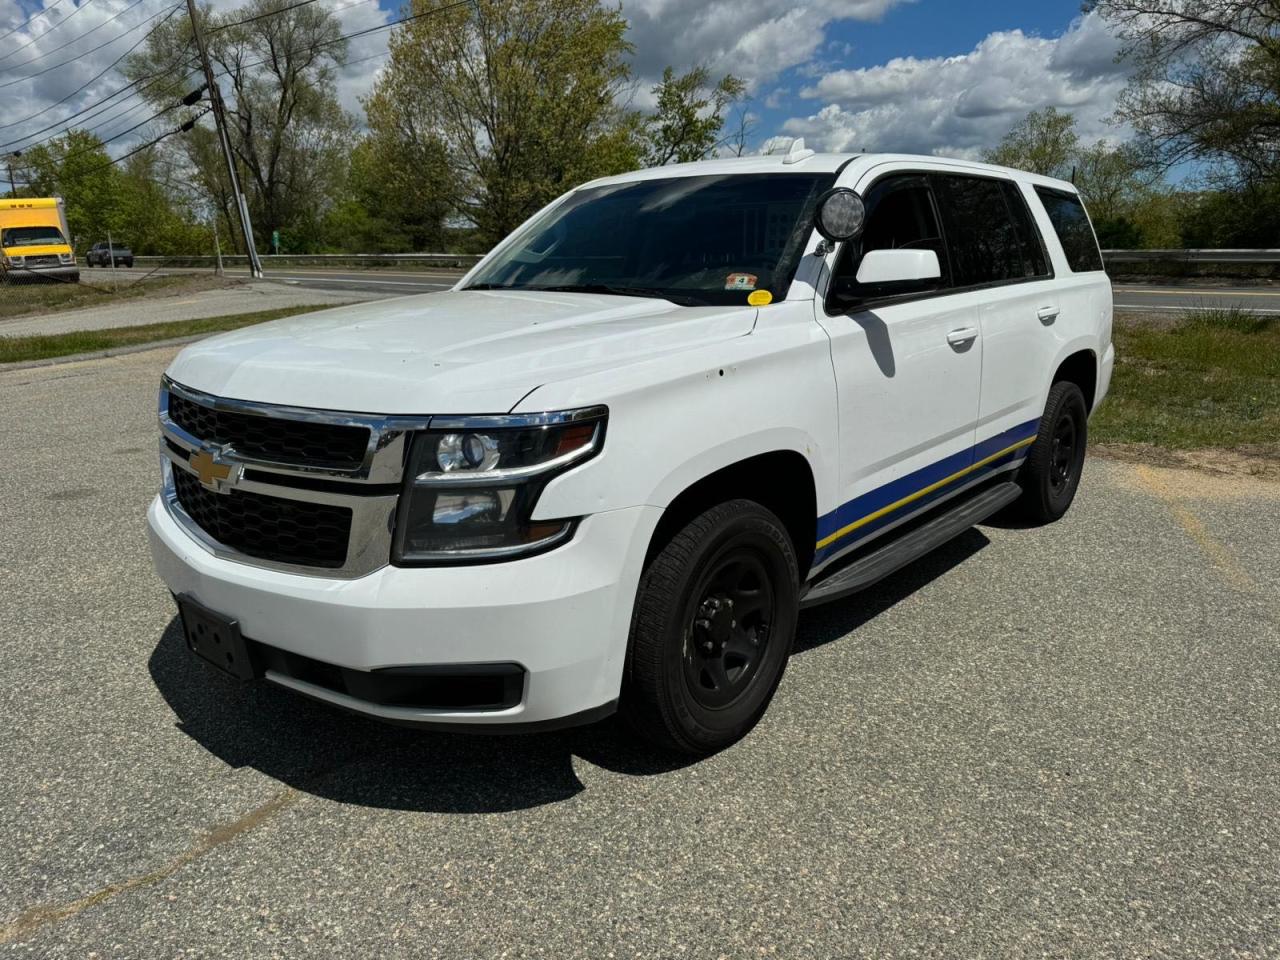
<point>898,266</point>
<point>840,214</point>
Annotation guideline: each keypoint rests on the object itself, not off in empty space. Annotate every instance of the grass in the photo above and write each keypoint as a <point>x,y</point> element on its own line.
<point>15,349</point>
<point>1210,379</point>
<point>32,298</point>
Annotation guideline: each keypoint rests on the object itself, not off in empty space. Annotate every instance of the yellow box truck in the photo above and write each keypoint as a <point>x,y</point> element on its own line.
<point>35,242</point>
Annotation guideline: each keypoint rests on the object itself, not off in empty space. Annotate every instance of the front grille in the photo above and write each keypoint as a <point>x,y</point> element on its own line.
<point>304,442</point>
<point>44,260</point>
<point>268,528</point>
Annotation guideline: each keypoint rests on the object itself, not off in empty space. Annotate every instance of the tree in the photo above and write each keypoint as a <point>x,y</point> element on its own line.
<point>1113,179</point>
<point>1043,142</point>
<point>289,136</point>
<point>395,200</point>
<point>1118,182</point>
<point>523,96</point>
<point>1206,82</point>
<point>140,202</point>
<point>76,167</point>
<point>689,117</point>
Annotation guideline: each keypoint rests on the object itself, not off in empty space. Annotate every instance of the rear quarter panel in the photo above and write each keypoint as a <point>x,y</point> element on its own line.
<point>1085,300</point>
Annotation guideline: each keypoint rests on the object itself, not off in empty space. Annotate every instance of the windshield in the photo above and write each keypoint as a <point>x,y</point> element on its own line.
<point>30,236</point>
<point>692,240</point>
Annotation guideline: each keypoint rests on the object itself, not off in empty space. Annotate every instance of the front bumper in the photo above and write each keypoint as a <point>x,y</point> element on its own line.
<point>563,616</point>
<point>69,272</point>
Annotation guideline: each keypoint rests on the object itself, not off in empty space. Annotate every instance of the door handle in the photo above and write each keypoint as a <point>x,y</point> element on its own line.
<point>958,338</point>
<point>1048,314</point>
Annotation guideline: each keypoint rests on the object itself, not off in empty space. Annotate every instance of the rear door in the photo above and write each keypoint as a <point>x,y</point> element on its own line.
<point>996,247</point>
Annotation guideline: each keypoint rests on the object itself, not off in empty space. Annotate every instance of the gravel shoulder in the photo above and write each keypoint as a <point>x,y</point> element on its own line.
<point>1036,742</point>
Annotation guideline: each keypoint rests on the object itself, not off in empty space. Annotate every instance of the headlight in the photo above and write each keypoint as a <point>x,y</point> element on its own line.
<point>16,261</point>
<point>472,484</point>
<point>66,258</point>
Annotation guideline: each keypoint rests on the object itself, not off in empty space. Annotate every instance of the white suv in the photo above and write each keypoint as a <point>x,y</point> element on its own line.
<point>608,469</point>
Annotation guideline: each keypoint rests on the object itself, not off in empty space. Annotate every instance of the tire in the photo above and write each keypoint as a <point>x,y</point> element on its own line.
<point>699,673</point>
<point>1051,474</point>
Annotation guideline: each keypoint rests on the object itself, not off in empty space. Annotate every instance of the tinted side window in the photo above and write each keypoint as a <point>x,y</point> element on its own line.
<point>981,235</point>
<point>1071,223</point>
<point>900,216</point>
<point>1034,261</point>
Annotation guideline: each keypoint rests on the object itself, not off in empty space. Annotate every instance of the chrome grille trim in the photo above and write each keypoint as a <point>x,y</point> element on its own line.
<point>383,458</point>
<point>373,513</point>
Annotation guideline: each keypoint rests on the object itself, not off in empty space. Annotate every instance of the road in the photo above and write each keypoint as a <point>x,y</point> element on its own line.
<point>1141,297</point>
<point>1127,297</point>
<point>1056,742</point>
<point>1177,299</point>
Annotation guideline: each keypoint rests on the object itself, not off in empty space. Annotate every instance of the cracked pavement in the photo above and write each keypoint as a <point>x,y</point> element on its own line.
<point>1063,741</point>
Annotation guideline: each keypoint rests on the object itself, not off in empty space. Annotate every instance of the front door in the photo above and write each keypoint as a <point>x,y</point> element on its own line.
<point>908,368</point>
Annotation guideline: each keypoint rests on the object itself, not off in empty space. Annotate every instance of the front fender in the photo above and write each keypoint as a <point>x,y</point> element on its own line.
<point>677,419</point>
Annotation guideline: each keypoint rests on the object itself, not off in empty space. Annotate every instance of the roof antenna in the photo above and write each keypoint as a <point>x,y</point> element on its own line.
<point>797,152</point>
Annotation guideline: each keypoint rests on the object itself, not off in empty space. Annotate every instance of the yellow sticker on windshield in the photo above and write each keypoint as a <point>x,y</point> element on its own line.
<point>758,298</point>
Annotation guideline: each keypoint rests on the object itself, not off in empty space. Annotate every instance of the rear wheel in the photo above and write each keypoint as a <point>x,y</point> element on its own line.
<point>713,626</point>
<point>1051,474</point>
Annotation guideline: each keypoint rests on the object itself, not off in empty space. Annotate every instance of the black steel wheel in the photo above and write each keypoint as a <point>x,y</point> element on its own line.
<point>1055,462</point>
<point>712,629</point>
<point>725,644</point>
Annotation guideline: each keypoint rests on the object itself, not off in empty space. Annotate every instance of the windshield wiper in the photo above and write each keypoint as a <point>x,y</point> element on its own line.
<point>624,291</point>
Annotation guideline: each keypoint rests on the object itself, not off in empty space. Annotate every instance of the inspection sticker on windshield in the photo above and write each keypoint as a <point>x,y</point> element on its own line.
<point>760,298</point>
<point>740,281</point>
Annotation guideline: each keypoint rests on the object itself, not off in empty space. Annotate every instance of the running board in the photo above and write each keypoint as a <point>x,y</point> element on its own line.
<point>875,566</point>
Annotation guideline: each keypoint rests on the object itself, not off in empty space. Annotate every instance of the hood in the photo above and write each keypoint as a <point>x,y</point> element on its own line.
<point>456,352</point>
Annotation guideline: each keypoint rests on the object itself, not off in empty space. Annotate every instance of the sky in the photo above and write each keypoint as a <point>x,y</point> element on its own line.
<point>944,77</point>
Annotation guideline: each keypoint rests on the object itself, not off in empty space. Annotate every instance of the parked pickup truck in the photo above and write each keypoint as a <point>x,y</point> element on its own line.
<point>609,468</point>
<point>102,255</point>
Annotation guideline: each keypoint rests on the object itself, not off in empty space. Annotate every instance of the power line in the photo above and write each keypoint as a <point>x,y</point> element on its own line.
<point>106,43</point>
<point>261,16</point>
<point>99,76</point>
<point>146,146</point>
<point>74,39</point>
<point>47,32</point>
<point>123,133</point>
<point>359,33</point>
<point>29,19</point>
<point>169,91</point>
<point>66,122</point>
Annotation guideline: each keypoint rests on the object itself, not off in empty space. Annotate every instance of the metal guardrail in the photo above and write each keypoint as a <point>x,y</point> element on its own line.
<point>455,260</point>
<point>464,261</point>
<point>1192,256</point>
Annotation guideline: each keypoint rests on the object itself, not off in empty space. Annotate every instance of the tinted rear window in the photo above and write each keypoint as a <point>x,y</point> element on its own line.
<point>983,236</point>
<point>1071,223</point>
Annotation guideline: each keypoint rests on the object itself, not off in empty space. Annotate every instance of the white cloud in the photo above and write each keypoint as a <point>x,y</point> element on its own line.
<point>962,105</point>
<point>31,96</point>
<point>753,39</point>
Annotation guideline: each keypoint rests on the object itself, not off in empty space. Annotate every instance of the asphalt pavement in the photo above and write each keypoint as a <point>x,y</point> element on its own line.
<point>1038,742</point>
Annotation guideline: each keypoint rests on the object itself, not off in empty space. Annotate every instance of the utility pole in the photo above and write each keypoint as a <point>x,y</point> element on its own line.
<point>220,121</point>
<point>13,184</point>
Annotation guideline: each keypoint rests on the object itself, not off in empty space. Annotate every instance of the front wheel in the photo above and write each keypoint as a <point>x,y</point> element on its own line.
<point>713,626</point>
<point>1051,474</point>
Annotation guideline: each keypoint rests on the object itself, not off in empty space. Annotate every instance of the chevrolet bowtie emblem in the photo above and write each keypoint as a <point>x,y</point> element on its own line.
<point>214,473</point>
